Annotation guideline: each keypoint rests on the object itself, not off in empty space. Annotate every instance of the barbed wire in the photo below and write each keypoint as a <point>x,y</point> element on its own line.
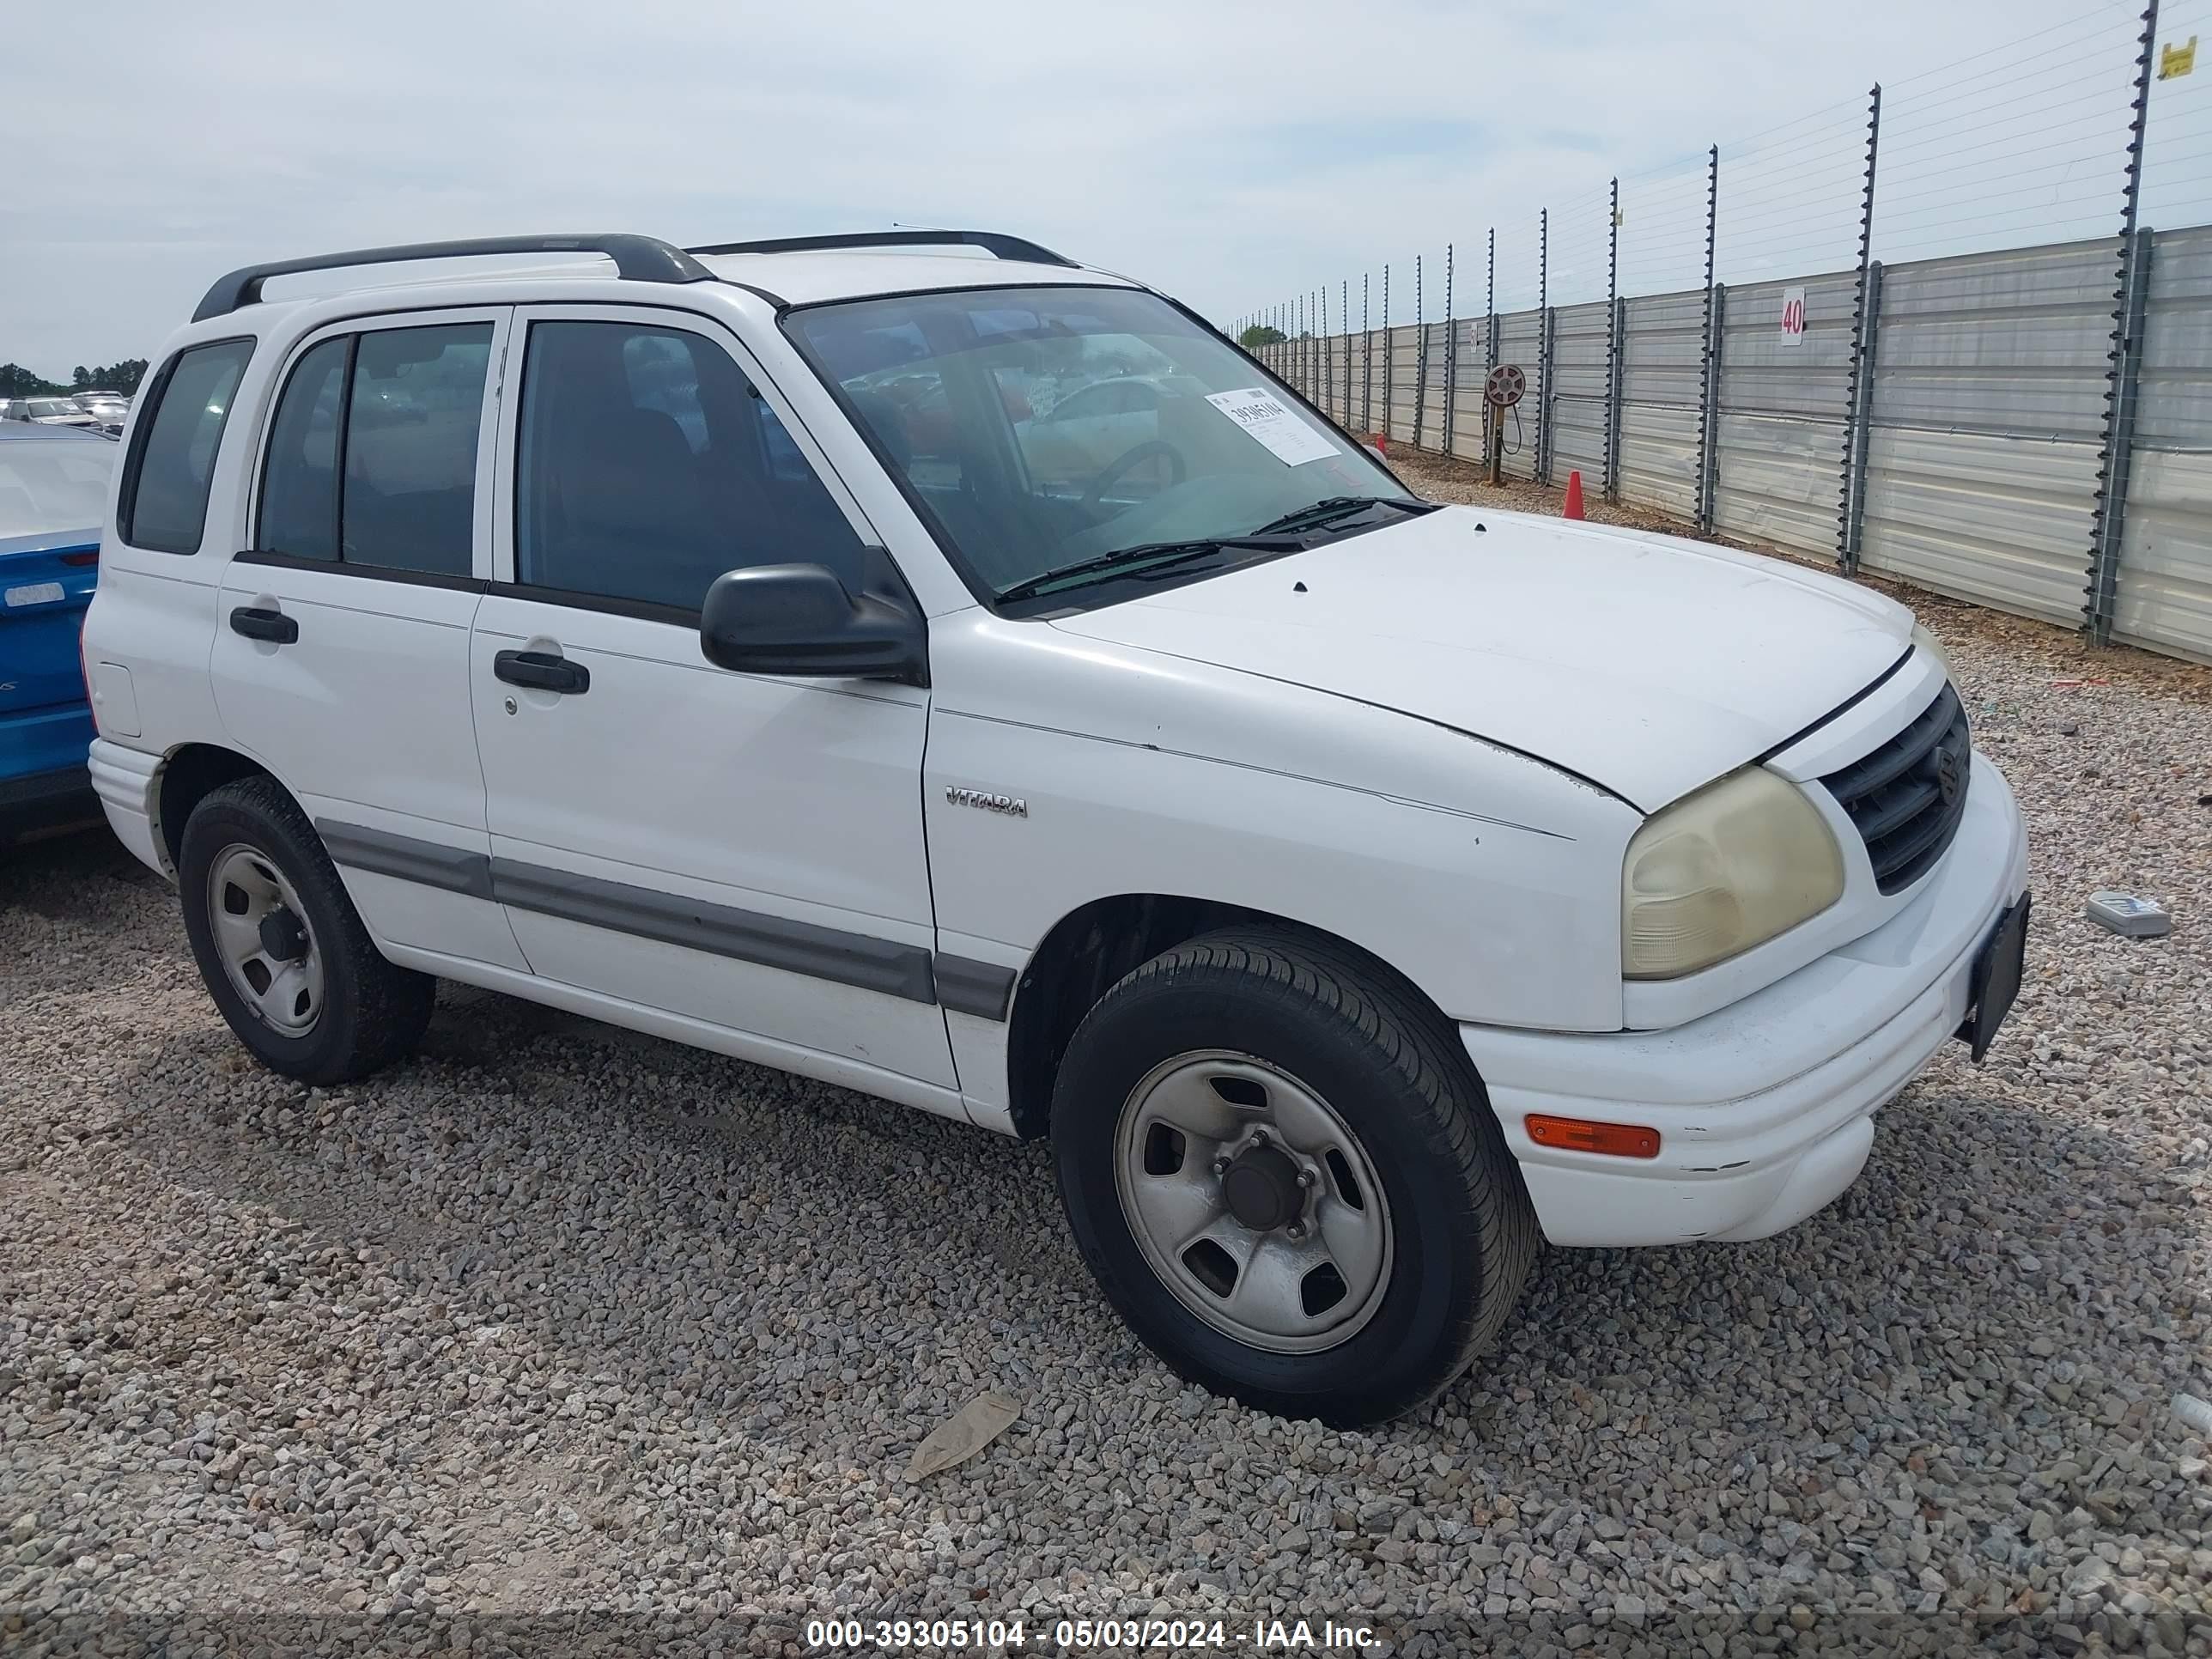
<point>2024,144</point>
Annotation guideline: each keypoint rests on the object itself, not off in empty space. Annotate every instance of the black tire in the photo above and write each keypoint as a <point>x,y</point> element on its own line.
<point>373,1011</point>
<point>1391,1070</point>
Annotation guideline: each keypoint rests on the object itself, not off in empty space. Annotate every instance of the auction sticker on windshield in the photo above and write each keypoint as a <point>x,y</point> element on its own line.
<point>1268,418</point>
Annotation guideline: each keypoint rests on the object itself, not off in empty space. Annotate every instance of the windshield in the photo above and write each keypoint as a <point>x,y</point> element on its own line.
<point>46,487</point>
<point>1039,428</point>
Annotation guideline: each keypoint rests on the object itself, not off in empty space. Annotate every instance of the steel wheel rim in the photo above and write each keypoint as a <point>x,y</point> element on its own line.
<point>1268,1287</point>
<point>244,890</point>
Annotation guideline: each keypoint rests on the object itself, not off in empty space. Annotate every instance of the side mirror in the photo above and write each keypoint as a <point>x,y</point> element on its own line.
<point>799,619</point>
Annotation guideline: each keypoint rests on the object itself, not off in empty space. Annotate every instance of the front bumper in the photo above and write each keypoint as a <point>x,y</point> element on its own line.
<point>1764,1108</point>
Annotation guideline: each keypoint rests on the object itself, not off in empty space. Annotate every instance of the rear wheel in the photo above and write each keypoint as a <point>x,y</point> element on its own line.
<point>1286,1180</point>
<point>281,947</point>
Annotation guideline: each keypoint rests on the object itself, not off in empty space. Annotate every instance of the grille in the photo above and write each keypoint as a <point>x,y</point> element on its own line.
<point>1896,796</point>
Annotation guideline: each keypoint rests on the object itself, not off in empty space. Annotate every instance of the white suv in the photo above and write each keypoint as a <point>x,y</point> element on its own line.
<point>728,645</point>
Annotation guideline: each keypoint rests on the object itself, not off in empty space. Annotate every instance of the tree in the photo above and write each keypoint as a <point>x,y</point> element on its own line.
<point>17,381</point>
<point>1260,335</point>
<point>121,376</point>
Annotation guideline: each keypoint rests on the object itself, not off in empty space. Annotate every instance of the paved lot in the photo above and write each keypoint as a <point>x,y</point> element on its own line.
<point>560,1322</point>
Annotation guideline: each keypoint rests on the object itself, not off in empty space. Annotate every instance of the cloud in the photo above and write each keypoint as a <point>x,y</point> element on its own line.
<point>1229,152</point>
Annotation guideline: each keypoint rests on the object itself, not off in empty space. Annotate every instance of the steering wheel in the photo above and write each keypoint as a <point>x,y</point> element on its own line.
<point>1112,472</point>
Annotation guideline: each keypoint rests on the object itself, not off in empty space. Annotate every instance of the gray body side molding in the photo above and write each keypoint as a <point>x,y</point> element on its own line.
<point>967,986</point>
<point>907,971</point>
<point>384,854</point>
<point>798,947</point>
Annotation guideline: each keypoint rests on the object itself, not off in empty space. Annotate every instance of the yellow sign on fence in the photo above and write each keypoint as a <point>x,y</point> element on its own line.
<point>2174,62</point>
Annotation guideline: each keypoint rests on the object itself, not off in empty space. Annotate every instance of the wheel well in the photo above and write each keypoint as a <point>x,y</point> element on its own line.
<point>1089,950</point>
<point>188,777</point>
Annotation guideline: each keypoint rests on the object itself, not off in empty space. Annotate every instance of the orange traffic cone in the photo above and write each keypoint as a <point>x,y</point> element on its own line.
<point>1574,509</point>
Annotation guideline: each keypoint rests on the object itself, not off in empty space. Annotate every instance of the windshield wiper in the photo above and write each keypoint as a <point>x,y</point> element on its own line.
<point>1330,509</point>
<point>1152,555</point>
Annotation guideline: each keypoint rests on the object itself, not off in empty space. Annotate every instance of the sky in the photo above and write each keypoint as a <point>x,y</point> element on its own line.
<point>1231,154</point>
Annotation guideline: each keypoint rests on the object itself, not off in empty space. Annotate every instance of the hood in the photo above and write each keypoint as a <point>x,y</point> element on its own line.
<point>1647,664</point>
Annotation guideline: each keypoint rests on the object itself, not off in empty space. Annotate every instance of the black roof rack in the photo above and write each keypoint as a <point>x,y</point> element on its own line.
<point>638,258</point>
<point>991,241</point>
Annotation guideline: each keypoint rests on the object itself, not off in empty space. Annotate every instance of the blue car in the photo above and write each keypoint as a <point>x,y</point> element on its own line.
<point>53,499</point>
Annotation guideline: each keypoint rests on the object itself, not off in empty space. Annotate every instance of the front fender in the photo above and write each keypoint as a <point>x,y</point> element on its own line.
<point>1488,879</point>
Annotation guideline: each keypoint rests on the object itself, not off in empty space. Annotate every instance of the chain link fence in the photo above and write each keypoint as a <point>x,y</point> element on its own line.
<point>1930,333</point>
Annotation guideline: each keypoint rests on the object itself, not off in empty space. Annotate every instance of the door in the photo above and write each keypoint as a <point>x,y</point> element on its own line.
<point>341,647</point>
<point>739,849</point>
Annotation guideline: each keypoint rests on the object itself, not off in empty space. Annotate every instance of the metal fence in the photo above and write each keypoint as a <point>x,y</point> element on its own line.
<point>2029,426</point>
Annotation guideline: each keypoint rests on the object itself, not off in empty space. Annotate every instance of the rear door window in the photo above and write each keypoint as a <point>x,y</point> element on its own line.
<point>413,416</point>
<point>165,490</point>
<point>372,456</point>
<point>300,477</point>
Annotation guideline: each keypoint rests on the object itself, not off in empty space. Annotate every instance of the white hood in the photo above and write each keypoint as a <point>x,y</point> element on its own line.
<point>1647,664</point>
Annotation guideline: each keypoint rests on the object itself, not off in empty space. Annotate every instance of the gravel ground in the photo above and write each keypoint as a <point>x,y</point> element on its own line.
<point>564,1340</point>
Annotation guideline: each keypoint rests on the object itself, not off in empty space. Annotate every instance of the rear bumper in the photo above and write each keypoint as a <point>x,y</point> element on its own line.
<point>125,781</point>
<point>1764,1108</point>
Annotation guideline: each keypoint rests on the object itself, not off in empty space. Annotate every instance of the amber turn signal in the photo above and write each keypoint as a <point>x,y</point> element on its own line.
<point>1577,1134</point>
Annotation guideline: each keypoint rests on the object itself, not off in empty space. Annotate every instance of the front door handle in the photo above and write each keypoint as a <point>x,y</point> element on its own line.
<point>260,623</point>
<point>542,670</point>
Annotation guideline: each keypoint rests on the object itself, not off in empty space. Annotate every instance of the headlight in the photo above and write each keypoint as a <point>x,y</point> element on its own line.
<point>1928,642</point>
<point>1723,870</point>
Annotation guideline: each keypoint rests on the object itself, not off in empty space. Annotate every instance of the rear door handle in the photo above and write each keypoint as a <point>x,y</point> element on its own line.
<point>542,670</point>
<point>259,623</point>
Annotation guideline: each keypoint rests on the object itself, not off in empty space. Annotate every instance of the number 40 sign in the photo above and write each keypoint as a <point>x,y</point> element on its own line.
<point>1793,316</point>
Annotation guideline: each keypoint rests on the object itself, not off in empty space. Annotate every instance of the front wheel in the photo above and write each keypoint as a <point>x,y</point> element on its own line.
<point>1286,1179</point>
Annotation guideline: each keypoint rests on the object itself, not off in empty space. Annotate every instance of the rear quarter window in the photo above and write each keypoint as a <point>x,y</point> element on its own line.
<point>165,487</point>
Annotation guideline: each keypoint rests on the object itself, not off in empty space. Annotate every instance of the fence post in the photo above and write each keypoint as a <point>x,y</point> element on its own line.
<point>1327,399</point>
<point>1322,353</point>
<point>1420,355</point>
<point>1615,403</point>
<point>1541,463</point>
<point>2123,374</point>
<point>1451,351</point>
<point>1847,515</point>
<point>1710,452</point>
<point>1490,348</point>
<point>1389,360</point>
<point>1859,440</point>
<point>1606,481</point>
<point>1366,363</point>
<point>1712,346</point>
<point>1547,406</point>
<point>2119,444</point>
<point>1344,306</point>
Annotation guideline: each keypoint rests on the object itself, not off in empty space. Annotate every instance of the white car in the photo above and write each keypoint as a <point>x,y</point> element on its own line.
<point>52,411</point>
<point>108,409</point>
<point>1355,890</point>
